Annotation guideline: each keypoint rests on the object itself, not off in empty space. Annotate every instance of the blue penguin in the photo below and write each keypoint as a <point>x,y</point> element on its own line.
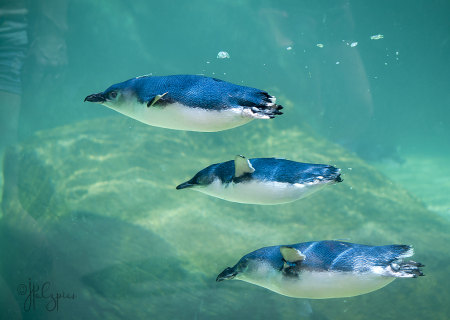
<point>324,269</point>
<point>262,180</point>
<point>188,102</point>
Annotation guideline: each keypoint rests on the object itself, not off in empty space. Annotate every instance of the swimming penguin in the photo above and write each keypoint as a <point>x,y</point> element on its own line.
<point>262,180</point>
<point>324,269</point>
<point>188,102</point>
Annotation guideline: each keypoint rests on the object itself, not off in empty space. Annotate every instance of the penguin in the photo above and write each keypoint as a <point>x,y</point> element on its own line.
<point>265,181</point>
<point>324,269</point>
<point>188,102</point>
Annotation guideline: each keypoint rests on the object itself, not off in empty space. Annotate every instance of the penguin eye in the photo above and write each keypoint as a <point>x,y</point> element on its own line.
<point>113,94</point>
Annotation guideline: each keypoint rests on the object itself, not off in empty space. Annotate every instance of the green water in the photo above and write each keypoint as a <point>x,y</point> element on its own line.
<point>89,202</point>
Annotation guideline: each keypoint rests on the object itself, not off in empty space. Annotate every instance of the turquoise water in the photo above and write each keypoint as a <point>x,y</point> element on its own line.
<point>89,202</point>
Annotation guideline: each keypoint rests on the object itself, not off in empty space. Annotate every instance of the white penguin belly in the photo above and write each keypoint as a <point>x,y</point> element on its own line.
<point>257,192</point>
<point>322,285</point>
<point>180,117</point>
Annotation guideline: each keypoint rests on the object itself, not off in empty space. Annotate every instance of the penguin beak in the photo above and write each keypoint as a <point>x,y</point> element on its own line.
<point>227,274</point>
<point>185,185</point>
<point>96,97</point>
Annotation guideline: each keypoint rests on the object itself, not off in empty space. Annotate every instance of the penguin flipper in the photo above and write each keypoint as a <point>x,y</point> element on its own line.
<point>293,259</point>
<point>242,166</point>
<point>291,254</point>
<point>155,99</point>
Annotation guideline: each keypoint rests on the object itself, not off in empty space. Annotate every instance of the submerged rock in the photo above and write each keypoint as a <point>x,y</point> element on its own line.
<point>124,174</point>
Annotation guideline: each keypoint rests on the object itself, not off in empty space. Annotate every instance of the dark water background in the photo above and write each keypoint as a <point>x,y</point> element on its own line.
<point>387,100</point>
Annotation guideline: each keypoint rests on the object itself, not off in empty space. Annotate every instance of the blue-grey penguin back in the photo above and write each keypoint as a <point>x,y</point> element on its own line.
<point>292,172</point>
<point>324,269</point>
<point>201,92</point>
<point>326,256</point>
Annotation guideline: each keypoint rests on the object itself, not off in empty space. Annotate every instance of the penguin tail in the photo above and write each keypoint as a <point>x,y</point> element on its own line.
<point>266,109</point>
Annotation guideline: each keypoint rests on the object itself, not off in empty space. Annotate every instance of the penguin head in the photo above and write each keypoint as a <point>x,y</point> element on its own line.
<point>111,94</point>
<point>221,173</point>
<point>250,268</point>
<point>115,97</point>
<point>203,178</point>
<point>230,273</point>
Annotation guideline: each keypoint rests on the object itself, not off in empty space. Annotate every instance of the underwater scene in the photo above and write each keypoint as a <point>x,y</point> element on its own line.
<point>224,159</point>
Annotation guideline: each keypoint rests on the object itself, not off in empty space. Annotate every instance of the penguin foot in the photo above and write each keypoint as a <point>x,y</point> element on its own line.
<point>332,176</point>
<point>268,109</point>
<point>407,269</point>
